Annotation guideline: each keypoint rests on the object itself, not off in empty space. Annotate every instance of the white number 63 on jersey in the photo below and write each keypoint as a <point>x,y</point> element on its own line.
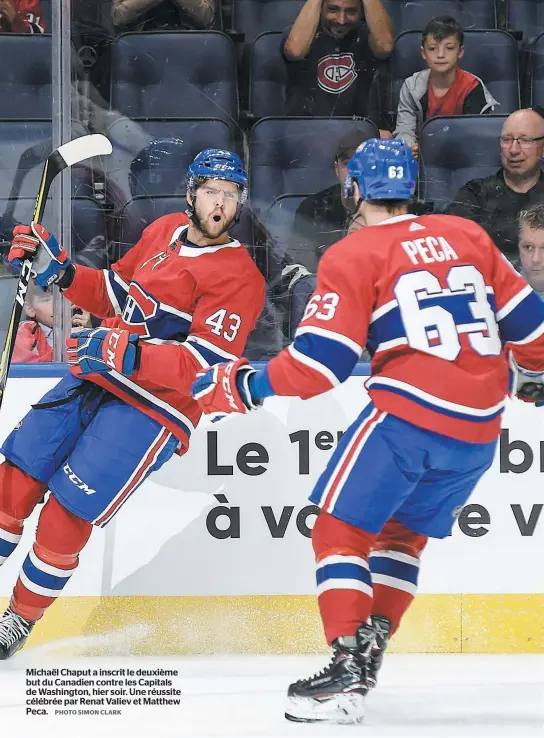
<point>322,306</point>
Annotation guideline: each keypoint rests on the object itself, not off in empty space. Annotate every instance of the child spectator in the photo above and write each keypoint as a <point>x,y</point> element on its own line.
<point>443,88</point>
<point>34,342</point>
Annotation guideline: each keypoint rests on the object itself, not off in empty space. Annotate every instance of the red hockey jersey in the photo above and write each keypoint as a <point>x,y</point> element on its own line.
<point>192,306</point>
<point>27,17</point>
<point>438,307</point>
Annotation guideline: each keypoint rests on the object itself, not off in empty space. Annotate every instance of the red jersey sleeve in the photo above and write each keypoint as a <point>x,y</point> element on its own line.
<point>226,311</point>
<point>103,292</point>
<point>330,337</point>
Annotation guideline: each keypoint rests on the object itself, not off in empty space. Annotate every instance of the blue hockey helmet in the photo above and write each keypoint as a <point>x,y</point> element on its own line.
<point>218,164</point>
<point>384,169</point>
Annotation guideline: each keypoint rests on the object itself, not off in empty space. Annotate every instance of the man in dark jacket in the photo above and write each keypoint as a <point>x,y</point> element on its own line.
<point>495,202</point>
<point>322,219</point>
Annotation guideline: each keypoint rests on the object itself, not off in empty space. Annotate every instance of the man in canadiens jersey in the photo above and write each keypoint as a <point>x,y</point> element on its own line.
<point>184,298</point>
<point>443,314</point>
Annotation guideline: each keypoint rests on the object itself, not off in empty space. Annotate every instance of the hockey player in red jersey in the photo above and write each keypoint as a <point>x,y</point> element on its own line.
<point>185,297</point>
<point>442,314</point>
<point>21,16</point>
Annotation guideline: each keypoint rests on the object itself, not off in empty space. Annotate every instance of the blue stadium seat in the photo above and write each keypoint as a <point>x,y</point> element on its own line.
<point>137,214</point>
<point>24,146</point>
<point>130,139</point>
<point>454,150</point>
<point>526,16</point>
<point>295,155</point>
<point>252,17</point>
<point>412,16</point>
<point>537,72</point>
<point>279,219</point>
<point>490,55</point>
<point>173,74</point>
<point>268,77</point>
<point>88,227</point>
<point>25,76</point>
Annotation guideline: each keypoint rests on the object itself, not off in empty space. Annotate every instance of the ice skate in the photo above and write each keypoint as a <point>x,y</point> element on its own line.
<point>382,632</point>
<point>14,630</point>
<point>336,693</point>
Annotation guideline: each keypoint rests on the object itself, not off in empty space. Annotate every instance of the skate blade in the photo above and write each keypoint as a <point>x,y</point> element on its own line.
<point>344,709</point>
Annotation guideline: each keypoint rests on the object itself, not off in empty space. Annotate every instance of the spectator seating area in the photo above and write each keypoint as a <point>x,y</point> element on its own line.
<point>182,91</point>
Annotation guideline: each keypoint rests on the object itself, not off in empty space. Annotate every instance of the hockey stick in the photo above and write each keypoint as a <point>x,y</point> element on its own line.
<point>65,156</point>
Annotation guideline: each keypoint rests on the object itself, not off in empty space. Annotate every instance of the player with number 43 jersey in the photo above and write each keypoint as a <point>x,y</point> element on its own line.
<point>445,317</point>
<point>184,298</point>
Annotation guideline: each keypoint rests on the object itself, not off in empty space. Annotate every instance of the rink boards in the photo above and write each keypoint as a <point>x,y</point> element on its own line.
<point>213,554</point>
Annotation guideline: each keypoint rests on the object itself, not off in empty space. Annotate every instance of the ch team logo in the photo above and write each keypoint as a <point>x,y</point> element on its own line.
<point>139,308</point>
<point>336,72</point>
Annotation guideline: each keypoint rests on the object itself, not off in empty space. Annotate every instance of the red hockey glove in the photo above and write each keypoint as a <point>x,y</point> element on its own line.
<point>224,388</point>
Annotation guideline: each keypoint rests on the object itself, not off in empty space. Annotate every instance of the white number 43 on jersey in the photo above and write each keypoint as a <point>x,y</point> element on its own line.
<point>216,321</point>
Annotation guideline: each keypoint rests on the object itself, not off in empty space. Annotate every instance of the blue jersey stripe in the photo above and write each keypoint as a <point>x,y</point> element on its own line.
<point>390,326</point>
<point>118,290</point>
<point>207,354</point>
<point>523,319</point>
<point>377,385</point>
<point>334,355</point>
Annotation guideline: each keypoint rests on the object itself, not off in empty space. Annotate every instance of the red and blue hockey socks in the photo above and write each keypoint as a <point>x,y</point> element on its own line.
<point>60,537</point>
<point>394,565</point>
<point>344,585</point>
<point>359,573</point>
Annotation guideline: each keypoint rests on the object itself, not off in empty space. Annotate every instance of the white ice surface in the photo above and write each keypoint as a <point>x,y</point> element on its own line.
<point>427,695</point>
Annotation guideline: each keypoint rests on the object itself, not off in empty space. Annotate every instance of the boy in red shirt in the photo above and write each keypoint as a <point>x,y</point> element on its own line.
<point>443,88</point>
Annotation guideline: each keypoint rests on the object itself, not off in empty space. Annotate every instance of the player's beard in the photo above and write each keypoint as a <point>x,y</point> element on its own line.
<point>201,226</point>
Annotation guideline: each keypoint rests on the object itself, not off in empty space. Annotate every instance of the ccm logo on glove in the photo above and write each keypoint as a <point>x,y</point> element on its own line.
<point>111,349</point>
<point>227,389</point>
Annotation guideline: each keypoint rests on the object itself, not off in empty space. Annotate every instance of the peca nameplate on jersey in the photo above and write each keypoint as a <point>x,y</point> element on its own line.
<point>429,250</point>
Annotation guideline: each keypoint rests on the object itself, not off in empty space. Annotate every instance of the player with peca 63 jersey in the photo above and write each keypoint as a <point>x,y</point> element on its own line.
<point>185,297</point>
<point>442,314</point>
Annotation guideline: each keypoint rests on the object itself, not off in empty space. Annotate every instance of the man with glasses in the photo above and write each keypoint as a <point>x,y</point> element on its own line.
<point>495,202</point>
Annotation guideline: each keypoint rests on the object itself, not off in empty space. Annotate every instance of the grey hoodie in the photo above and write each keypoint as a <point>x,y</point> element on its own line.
<point>410,110</point>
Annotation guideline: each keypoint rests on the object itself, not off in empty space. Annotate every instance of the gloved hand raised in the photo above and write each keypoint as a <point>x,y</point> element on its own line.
<point>49,259</point>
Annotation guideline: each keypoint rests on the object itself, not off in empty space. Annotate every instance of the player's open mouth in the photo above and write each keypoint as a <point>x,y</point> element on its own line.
<point>217,218</point>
